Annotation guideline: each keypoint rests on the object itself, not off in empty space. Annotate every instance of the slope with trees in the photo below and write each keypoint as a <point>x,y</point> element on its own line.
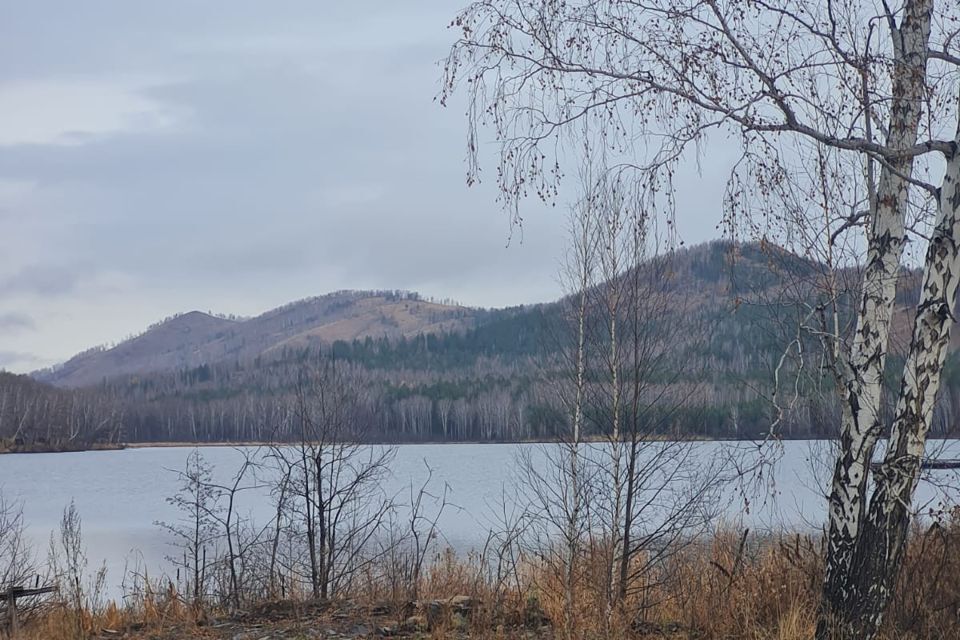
<point>495,380</point>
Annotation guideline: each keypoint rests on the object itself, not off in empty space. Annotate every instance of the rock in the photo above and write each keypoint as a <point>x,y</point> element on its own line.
<point>459,621</point>
<point>462,604</point>
<point>534,616</point>
<point>431,610</point>
<point>429,606</point>
<point>416,623</point>
<point>454,611</point>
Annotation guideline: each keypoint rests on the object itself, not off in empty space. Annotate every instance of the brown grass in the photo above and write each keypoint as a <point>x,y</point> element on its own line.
<point>733,587</point>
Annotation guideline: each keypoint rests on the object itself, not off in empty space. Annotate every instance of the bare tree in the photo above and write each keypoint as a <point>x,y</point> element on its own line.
<point>334,482</point>
<point>234,534</point>
<point>658,486</point>
<point>870,85</point>
<point>578,277</point>
<point>609,348</point>
<point>196,533</point>
<point>422,528</point>
<point>17,561</point>
<point>615,491</point>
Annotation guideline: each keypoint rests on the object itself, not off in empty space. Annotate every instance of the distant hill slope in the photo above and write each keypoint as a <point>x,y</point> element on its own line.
<point>194,339</point>
<point>428,371</point>
<point>710,279</point>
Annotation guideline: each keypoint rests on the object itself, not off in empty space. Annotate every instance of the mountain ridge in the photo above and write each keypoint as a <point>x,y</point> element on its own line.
<point>429,371</point>
<point>196,338</point>
<point>192,339</point>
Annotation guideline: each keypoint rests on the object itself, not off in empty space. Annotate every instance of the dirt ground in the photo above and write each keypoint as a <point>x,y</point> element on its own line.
<point>304,621</point>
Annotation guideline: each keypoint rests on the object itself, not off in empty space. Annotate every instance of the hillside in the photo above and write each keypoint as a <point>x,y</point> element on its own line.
<point>427,371</point>
<point>194,339</point>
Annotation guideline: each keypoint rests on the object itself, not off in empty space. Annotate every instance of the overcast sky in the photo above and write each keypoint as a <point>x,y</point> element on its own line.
<point>159,157</point>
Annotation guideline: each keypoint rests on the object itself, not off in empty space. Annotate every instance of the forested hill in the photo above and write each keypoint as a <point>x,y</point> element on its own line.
<point>194,339</point>
<point>426,371</point>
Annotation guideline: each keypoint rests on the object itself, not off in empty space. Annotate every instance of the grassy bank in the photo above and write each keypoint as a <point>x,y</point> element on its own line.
<point>735,586</point>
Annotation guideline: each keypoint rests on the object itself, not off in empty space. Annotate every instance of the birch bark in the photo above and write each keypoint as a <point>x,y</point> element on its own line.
<point>862,378</point>
<point>877,555</point>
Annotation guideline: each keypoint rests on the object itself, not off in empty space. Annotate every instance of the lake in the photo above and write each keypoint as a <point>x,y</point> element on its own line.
<point>120,495</point>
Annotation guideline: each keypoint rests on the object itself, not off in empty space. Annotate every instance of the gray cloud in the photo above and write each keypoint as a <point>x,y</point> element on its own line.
<point>20,360</point>
<point>41,280</point>
<point>245,156</point>
<point>16,322</point>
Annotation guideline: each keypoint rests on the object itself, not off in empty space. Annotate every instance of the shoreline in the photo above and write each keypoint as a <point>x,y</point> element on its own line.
<point>33,449</point>
<point>264,443</point>
<point>43,448</point>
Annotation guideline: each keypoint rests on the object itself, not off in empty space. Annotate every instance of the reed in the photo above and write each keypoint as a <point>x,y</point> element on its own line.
<point>733,586</point>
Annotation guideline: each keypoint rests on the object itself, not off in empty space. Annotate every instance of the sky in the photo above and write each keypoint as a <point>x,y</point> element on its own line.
<point>235,155</point>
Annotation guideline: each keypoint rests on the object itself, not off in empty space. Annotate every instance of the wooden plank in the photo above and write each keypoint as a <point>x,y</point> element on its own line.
<point>930,464</point>
<point>940,464</point>
<point>12,619</point>
<point>21,592</point>
<point>11,595</point>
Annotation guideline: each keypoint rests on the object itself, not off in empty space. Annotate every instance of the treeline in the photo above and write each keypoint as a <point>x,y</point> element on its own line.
<point>257,404</point>
<point>37,416</point>
<point>498,379</point>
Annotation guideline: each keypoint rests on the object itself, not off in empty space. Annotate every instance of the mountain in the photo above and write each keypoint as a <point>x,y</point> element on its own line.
<point>193,339</point>
<point>428,371</point>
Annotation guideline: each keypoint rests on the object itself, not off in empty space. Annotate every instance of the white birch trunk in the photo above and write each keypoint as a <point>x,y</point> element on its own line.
<point>877,557</point>
<point>862,378</point>
<point>575,497</point>
<point>613,299</point>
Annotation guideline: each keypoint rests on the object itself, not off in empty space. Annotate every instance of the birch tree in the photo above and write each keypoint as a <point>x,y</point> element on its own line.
<point>655,490</point>
<point>866,88</point>
<point>562,497</point>
<point>613,220</point>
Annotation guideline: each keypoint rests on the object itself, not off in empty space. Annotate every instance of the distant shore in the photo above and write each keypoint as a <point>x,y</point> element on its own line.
<point>68,448</point>
<point>257,443</point>
<point>36,447</point>
<point>55,448</point>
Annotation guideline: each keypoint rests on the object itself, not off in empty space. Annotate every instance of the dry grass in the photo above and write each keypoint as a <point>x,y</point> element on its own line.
<point>733,587</point>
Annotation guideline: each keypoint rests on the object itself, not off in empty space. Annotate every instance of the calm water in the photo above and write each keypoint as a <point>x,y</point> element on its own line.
<point>121,494</point>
